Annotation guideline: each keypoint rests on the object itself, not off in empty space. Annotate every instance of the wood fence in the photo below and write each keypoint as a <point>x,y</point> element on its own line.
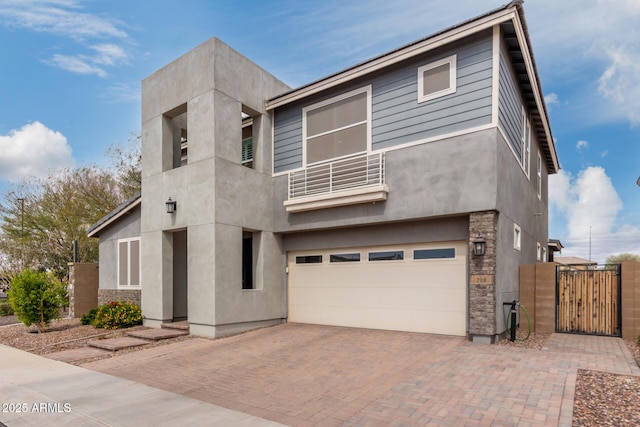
<point>588,301</point>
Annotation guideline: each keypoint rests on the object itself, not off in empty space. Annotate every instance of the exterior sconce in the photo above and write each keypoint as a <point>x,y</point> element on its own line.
<point>479,246</point>
<point>171,206</point>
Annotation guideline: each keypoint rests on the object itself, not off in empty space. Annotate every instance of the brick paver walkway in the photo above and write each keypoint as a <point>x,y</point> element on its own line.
<point>319,375</point>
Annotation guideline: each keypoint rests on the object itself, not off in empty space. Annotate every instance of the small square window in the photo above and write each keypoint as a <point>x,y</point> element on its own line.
<point>437,79</point>
<point>517,237</point>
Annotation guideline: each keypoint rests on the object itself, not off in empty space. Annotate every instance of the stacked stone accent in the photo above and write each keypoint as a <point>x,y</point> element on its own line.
<point>482,276</point>
<point>108,295</point>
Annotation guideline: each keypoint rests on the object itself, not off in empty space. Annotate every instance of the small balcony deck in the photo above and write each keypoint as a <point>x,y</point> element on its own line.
<point>352,180</point>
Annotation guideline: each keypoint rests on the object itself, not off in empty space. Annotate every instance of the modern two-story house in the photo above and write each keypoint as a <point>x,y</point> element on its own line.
<point>402,193</point>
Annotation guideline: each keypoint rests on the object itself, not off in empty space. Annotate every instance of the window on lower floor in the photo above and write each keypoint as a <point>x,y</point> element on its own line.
<point>129,262</point>
<point>517,237</point>
<point>247,260</point>
<point>538,251</point>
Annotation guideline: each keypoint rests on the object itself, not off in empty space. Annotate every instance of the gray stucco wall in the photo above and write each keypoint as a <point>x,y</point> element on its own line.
<point>518,203</point>
<point>217,198</point>
<point>126,227</point>
<point>424,231</point>
<point>446,177</point>
<point>397,117</point>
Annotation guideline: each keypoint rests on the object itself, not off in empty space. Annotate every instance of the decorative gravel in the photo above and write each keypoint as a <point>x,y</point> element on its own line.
<point>68,334</point>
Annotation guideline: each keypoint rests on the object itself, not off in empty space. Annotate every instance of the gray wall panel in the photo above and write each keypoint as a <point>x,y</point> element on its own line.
<point>397,117</point>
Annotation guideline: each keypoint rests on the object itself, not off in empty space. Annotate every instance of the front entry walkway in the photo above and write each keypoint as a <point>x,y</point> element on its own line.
<point>301,375</point>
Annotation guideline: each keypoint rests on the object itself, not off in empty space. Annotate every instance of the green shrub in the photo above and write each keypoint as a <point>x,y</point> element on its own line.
<point>5,309</point>
<point>90,317</point>
<point>36,298</point>
<point>118,314</point>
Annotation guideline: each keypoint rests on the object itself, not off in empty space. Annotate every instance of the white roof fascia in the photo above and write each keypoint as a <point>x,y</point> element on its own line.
<point>115,217</point>
<point>398,56</point>
<point>522,40</point>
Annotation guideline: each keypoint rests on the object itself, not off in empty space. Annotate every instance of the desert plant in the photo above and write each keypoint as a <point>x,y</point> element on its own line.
<point>36,298</point>
<point>118,314</point>
<point>5,309</point>
<point>90,317</point>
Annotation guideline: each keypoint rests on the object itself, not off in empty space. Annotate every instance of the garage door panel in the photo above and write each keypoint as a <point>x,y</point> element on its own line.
<point>383,276</point>
<point>421,295</point>
<point>437,299</point>
<point>447,323</point>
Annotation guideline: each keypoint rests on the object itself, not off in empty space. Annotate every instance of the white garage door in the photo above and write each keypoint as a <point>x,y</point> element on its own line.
<point>416,287</point>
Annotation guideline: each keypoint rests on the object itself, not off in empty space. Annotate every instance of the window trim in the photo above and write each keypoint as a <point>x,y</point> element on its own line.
<point>324,103</point>
<point>452,61</point>
<point>128,241</point>
<point>539,176</point>
<point>544,254</point>
<point>538,251</point>
<point>525,144</point>
<point>517,237</point>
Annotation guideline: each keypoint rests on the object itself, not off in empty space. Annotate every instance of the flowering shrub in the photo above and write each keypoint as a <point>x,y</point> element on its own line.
<point>118,314</point>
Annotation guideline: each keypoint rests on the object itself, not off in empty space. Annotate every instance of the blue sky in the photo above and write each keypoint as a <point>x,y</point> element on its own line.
<point>71,71</point>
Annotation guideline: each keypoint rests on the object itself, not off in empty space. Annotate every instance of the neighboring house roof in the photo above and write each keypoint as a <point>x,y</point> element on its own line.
<point>114,215</point>
<point>571,260</point>
<point>555,245</point>
<point>520,51</point>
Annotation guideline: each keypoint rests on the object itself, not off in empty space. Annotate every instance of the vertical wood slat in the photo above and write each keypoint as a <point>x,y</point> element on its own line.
<point>587,301</point>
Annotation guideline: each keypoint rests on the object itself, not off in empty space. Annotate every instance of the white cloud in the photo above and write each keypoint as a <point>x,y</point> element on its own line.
<point>551,99</point>
<point>582,144</point>
<point>58,17</point>
<point>590,205</point>
<point>64,18</point>
<point>122,92</point>
<point>76,64</point>
<point>600,43</point>
<point>33,150</point>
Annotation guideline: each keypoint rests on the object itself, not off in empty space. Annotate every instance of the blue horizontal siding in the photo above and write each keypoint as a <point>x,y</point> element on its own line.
<point>397,117</point>
<point>509,106</point>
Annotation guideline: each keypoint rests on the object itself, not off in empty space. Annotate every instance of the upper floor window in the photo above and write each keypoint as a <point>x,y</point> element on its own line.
<point>337,127</point>
<point>437,79</point>
<point>247,142</point>
<point>525,141</point>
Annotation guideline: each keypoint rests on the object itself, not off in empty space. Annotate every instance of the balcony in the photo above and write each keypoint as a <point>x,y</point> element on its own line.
<point>353,180</point>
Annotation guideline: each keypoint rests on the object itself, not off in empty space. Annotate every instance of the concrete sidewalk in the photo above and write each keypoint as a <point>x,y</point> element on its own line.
<point>36,391</point>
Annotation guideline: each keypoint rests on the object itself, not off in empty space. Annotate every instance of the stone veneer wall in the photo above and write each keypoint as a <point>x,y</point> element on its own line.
<point>482,277</point>
<point>108,295</point>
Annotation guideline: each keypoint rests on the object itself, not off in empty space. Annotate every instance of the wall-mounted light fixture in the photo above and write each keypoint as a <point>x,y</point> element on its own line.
<point>171,205</point>
<point>479,246</point>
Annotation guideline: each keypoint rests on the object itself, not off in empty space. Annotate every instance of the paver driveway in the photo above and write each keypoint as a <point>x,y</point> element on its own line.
<point>320,375</point>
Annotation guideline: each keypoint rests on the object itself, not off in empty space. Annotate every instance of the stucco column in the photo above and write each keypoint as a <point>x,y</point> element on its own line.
<point>482,277</point>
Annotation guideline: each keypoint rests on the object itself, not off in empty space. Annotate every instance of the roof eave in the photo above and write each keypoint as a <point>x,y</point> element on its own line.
<point>432,42</point>
<point>110,218</point>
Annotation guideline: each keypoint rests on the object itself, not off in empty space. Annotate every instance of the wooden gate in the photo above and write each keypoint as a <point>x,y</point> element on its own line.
<point>588,301</point>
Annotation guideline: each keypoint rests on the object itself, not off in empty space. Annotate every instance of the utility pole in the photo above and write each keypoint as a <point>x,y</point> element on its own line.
<point>589,246</point>
<point>21,199</point>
